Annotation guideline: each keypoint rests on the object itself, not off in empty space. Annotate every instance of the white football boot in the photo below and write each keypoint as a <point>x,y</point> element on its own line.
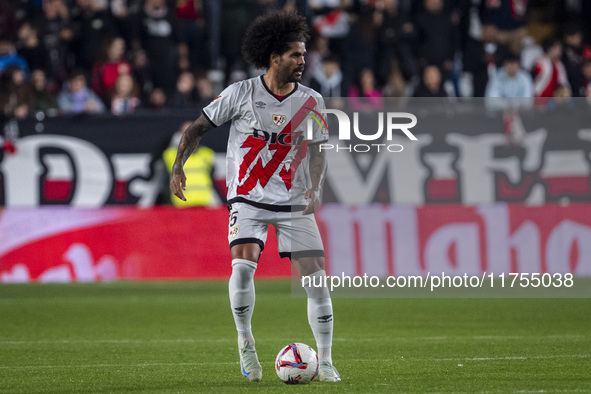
<point>328,373</point>
<point>249,363</point>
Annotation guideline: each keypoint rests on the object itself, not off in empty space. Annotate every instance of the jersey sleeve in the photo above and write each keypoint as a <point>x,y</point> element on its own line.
<point>320,128</point>
<point>223,108</point>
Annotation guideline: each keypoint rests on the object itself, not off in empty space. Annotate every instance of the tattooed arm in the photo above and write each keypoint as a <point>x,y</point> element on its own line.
<point>317,174</point>
<point>188,145</point>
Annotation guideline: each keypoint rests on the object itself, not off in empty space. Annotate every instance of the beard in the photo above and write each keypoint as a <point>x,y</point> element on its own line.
<point>291,75</point>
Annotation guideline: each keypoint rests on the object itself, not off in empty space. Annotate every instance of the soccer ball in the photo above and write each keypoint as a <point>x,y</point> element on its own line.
<point>297,363</point>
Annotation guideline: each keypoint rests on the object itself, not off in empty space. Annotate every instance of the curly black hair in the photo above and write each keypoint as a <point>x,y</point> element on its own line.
<point>271,33</point>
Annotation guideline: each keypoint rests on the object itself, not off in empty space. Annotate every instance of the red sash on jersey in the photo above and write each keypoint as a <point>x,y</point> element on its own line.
<point>262,173</point>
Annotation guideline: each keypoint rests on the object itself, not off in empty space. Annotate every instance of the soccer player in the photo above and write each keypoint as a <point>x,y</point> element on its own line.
<point>274,175</point>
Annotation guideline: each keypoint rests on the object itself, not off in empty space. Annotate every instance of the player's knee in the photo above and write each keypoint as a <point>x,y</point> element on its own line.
<point>243,265</point>
<point>250,252</point>
<point>309,265</point>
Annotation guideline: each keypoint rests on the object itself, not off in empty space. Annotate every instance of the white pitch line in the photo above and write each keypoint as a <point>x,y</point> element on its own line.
<point>229,340</point>
<point>21,367</point>
<point>552,391</point>
<point>506,358</point>
<point>117,341</point>
<point>574,356</point>
<point>115,365</point>
<point>463,338</point>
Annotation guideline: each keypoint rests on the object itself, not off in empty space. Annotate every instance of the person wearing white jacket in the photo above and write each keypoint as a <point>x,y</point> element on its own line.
<point>512,84</point>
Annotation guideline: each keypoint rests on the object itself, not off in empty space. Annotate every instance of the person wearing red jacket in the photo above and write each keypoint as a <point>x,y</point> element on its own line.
<point>109,68</point>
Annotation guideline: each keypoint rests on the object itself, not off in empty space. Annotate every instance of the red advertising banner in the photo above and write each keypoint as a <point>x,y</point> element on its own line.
<point>385,240</point>
<point>63,244</point>
<point>59,244</point>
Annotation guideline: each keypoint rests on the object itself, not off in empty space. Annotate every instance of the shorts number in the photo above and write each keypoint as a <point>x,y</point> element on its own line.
<point>233,218</point>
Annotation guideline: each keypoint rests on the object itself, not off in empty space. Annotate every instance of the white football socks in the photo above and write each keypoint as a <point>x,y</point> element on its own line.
<point>242,298</point>
<point>320,316</point>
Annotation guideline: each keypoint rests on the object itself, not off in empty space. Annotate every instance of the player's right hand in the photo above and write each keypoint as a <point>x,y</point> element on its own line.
<point>313,196</point>
<point>178,182</point>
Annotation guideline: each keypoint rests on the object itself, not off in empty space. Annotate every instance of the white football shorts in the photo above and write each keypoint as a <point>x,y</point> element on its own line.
<point>297,234</point>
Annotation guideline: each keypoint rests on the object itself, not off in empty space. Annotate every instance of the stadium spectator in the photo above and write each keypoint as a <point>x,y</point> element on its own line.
<point>192,30</point>
<point>91,22</point>
<point>483,57</point>
<point>55,32</point>
<point>359,49</point>
<point>204,88</point>
<point>510,17</point>
<point>317,50</point>
<point>572,12</point>
<point>586,16</point>
<point>122,12</point>
<point>530,53</point>
<point>331,17</point>
<point>562,99</point>
<point>395,84</point>
<point>235,17</point>
<point>184,60</point>
<point>512,84</point>
<point>562,92</point>
<point>109,67</point>
<point>237,75</point>
<point>155,32</point>
<point>45,99</point>
<point>157,99</point>
<point>391,37</point>
<point>396,34</point>
<point>31,9</point>
<point>124,98</point>
<point>9,56</point>
<point>30,48</point>
<point>327,78</point>
<point>8,20</point>
<point>436,37</point>
<point>548,71</point>
<point>186,94</point>
<point>587,78</point>
<point>16,95</point>
<point>364,95</point>
<point>431,83</point>
<point>142,73</point>
<point>568,10</point>
<point>77,98</point>
<point>463,17</point>
<point>574,55</point>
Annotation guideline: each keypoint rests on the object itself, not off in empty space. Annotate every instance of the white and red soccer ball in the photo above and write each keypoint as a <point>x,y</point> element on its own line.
<point>297,363</point>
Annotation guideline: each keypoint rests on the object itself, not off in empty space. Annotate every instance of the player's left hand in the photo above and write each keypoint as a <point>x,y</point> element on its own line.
<point>313,195</point>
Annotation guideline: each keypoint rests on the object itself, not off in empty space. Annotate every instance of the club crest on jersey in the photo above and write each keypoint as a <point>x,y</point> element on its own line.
<point>234,231</point>
<point>279,120</point>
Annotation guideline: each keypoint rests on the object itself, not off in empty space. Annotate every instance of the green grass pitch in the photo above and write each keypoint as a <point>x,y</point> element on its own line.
<point>180,337</point>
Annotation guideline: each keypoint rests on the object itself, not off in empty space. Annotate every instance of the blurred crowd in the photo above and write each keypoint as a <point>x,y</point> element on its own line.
<point>96,56</point>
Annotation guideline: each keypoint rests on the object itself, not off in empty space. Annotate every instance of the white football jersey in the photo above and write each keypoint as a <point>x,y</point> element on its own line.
<point>263,167</point>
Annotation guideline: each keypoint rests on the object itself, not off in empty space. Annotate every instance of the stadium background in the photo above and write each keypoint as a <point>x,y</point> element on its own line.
<point>107,158</point>
<point>84,198</point>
